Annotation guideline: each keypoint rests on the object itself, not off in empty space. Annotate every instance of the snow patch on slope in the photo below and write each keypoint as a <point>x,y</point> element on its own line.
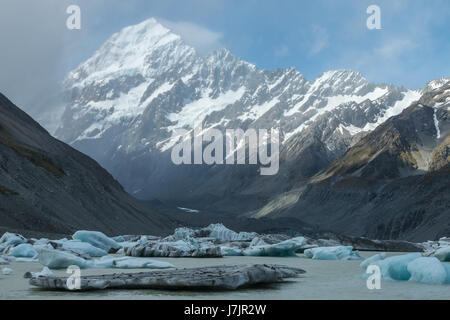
<point>196,111</point>
<point>408,98</point>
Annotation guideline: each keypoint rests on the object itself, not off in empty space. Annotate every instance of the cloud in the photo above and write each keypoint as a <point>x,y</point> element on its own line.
<point>320,39</point>
<point>393,48</point>
<point>202,39</point>
<point>32,37</point>
<point>282,51</point>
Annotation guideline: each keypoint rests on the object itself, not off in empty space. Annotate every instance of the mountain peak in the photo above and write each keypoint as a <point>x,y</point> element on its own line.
<point>126,52</point>
<point>433,85</point>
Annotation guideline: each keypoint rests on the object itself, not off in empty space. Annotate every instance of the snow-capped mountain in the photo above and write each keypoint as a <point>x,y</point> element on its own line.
<point>124,103</point>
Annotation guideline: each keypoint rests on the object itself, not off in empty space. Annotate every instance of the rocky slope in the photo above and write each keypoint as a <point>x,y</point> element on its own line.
<point>47,186</point>
<point>392,184</point>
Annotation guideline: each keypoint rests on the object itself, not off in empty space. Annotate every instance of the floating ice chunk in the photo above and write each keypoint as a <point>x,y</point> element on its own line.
<point>119,239</point>
<point>24,250</point>
<point>46,272</point>
<point>4,260</point>
<point>131,263</point>
<point>219,231</point>
<point>83,248</point>
<point>11,239</point>
<point>333,253</point>
<point>396,268</point>
<point>257,241</point>
<point>97,239</point>
<point>34,259</point>
<point>56,259</point>
<point>7,271</point>
<point>428,270</point>
<point>372,259</point>
<point>283,249</point>
<point>443,254</point>
<point>183,233</point>
<point>230,251</point>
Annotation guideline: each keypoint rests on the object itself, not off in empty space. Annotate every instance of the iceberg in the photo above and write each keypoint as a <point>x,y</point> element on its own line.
<point>97,239</point>
<point>4,260</point>
<point>24,250</point>
<point>332,253</point>
<point>230,251</point>
<point>443,254</point>
<point>131,263</point>
<point>46,272</point>
<point>7,271</point>
<point>429,270</point>
<point>180,248</point>
<point>283,249</point>
<point>56,259</point>
<point>11,239</point>
<point>220,232</point>
<point>82,248</point>
<point>396,268</point>
<point>372,259</point>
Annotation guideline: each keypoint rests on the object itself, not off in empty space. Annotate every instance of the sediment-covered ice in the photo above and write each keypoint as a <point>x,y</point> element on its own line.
<point>180,248</point>
<point>97,239</point>
<point>333,253</point>
<point>24,250</point>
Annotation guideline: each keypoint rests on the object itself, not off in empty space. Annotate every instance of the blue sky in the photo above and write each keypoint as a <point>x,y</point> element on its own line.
<point>412,47</point>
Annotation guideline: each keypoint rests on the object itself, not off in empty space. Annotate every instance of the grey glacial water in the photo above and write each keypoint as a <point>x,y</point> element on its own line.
<point>323,280</point>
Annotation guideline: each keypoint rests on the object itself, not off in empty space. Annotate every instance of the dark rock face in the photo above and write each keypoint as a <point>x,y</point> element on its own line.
<point>47,186</point>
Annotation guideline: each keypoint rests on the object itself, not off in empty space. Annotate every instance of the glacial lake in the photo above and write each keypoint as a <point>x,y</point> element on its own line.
<point>322,280</point>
